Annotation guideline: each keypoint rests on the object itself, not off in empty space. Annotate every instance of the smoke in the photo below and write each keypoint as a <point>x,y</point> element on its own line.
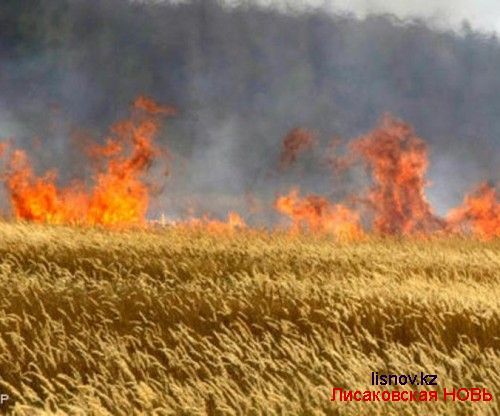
<point>444,14</point>
<point>242,77</point>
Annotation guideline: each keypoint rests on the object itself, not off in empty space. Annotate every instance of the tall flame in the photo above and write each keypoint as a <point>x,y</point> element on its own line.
<point>398,162</point>
<point>119,195</point>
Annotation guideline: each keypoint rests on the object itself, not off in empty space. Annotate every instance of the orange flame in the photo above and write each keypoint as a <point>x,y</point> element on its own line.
<point>119,196</point>
<point>38,199</point>
<point>480,213</point>
<point>318,215</point>
<point>398,162</point>
<point>295,142</point>
<point>234,222</point>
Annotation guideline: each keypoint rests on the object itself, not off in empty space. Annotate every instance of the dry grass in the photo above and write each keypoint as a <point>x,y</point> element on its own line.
<point>178,323</point>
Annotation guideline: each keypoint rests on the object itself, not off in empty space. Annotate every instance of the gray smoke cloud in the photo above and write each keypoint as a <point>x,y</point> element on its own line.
<point>483,15</point>
<point>243,75</point>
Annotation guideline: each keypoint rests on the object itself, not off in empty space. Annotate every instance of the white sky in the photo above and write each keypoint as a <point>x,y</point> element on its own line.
<point>483,15</point>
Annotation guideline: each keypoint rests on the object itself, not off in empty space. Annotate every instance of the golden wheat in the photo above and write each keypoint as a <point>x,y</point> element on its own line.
<point>172,322</point>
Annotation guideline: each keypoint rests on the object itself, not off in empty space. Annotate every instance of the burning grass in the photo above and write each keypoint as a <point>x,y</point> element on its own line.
<point>177,321</point>
<point>395,158</point>
<point>119,195</point>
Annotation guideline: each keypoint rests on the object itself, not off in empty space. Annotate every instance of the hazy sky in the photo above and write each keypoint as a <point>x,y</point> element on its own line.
<point>482,14</point>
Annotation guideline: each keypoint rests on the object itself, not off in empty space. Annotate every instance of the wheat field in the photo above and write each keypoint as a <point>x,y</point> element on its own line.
<point>176,322</point>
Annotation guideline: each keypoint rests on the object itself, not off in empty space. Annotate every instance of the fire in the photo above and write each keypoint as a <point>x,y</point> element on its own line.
<point>38,199</point>
<point>119,195</point>
<point>316,214</point>
<point>480,213</point>
<point>397,160</point>
<point>295,142</point>
<point>395,203</point>
<point>234,223</point>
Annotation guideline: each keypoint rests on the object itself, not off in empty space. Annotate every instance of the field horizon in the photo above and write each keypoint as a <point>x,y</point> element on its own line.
<point>169,321</point>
